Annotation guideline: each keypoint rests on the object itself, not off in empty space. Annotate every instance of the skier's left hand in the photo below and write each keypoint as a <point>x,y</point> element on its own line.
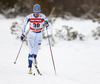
<point>47,26</point>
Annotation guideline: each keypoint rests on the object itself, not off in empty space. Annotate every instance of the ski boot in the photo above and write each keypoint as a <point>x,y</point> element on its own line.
<point>30,70</point>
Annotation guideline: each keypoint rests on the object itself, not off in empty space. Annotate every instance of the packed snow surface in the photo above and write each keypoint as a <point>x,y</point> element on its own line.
<point>77,62</point>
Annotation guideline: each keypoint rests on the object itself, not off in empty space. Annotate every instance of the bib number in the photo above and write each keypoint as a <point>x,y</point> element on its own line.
<point>36,25</point>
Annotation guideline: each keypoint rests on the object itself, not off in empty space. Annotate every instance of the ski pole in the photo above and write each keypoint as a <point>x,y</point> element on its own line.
<point>18,52</point>
<point>51,53</point>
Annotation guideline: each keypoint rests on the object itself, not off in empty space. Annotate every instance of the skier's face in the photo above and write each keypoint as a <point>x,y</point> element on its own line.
<point>36,10</point>
<point>36,14</point>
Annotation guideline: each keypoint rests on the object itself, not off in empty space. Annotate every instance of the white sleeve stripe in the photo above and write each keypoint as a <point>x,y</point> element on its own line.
<point>24,25</point>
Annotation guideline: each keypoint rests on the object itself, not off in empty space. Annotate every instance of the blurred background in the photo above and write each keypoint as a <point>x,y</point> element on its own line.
<point>78,8</point>
<point>65,23</point>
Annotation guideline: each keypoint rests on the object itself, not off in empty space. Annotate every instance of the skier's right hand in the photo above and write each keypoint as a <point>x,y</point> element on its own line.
<point>22,37</point>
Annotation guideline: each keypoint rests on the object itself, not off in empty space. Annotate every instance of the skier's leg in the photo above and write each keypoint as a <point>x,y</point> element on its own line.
<point>34,60</point>
<point>37,44</point>
<point>30,60</point>
<point>30,40</point>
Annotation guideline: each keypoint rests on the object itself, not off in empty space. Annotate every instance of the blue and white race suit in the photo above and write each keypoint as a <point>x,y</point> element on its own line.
<point>34,36</point>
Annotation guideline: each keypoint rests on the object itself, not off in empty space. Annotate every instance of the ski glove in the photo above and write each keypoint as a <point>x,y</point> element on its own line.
<point>47,27</point>
<point>22,37</point>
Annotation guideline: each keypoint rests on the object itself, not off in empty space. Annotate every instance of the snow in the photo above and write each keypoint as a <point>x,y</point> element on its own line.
<point>77,62</point>
<point>81,26</point>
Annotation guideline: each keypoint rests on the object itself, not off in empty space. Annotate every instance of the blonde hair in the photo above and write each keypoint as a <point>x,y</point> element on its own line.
<point>36,5</point>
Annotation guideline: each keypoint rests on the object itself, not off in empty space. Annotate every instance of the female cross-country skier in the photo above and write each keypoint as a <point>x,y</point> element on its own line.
<point>34,37</point>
